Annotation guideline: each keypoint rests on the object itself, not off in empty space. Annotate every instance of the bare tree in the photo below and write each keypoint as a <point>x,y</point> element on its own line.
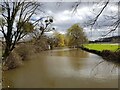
<point>93,21</point>
<point>13,13</point>
<point>43,25</point>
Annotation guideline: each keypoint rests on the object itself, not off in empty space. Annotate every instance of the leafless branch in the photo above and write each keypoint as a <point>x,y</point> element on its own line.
<point>96,18</point>
<point>75,6</point>
<point>115,27</point>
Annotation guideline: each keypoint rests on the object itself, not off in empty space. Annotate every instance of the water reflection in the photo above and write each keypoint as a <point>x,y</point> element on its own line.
<point>62,68</point>
<point>75,62</point>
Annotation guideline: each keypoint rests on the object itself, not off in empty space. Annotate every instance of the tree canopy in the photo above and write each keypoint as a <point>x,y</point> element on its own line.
<point>76,36</point>
<point>16,22</point>
<point>59,39</point>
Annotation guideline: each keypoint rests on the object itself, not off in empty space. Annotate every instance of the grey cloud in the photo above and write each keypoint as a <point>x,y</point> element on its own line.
<point>63,25</point>
<point>56,10</point>
<point>55,7</point>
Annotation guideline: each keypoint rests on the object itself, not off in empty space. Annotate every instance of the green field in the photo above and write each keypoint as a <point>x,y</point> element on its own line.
<point>100,47</point>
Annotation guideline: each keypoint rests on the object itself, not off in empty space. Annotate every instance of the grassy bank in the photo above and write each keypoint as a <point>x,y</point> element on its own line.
<point>101,47</point>
<point>108,52</point>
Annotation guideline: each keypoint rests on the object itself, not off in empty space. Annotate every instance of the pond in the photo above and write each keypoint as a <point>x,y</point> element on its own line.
<point>63,68</point>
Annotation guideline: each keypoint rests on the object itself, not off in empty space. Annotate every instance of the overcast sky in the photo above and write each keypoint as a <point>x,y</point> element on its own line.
<point>64,17</point>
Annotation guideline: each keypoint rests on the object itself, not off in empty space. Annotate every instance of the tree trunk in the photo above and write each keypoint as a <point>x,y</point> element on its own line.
<point>5,55</point>
<point>6,52</point>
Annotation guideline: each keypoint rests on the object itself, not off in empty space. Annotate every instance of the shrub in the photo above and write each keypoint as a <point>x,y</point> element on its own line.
<point>41,45</point>
<point>118,55</point>
<point>106,53</point>
<point>111,56</point>
<point>25,51</point>
<point>12,61</point>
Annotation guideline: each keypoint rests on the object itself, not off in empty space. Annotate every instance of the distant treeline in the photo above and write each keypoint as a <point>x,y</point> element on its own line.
<point>114,39</point>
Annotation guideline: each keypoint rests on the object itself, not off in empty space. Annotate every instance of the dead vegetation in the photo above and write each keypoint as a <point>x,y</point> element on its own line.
<point>23,52</point>
<point>111,56</point>
<point>13,61</point>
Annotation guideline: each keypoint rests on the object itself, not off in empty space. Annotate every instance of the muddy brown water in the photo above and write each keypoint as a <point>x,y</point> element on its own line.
<point>63,68</point>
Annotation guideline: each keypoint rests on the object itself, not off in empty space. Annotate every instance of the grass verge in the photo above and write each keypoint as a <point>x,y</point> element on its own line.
<point>109,52</point>
<point>101,47</point>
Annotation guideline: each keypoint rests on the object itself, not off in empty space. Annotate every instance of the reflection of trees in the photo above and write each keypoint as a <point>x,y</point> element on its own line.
<point>75,64</point>
<point>78,53</point>
<point>59,53</point>
<point>33,74</point>
<point>76,59</point>
<point>103,68</point>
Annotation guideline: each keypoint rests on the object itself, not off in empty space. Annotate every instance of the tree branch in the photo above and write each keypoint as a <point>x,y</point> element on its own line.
<point>96,18</point>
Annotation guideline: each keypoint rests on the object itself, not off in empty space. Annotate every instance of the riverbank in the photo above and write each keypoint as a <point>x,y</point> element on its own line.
<point>21,53</point>
<point>106,51</point>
